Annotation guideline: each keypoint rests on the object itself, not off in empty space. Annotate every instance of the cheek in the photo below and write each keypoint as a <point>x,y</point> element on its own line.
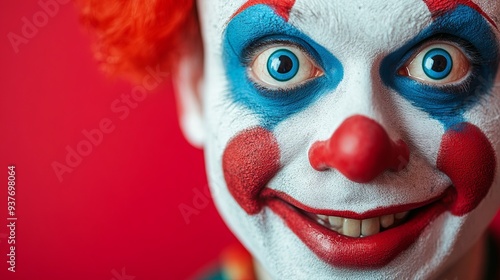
<point>250,160</point>
<point>468,158</point>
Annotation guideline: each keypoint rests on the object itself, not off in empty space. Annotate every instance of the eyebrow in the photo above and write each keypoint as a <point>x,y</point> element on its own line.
<point>440,7</point>
<point>280,7</point>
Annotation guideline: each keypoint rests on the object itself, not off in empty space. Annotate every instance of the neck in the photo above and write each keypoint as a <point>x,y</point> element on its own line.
<point>470,266</point>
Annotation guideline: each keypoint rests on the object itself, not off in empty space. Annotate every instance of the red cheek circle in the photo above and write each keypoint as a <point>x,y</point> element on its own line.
<point>467,157</point>
<point>250,160</point>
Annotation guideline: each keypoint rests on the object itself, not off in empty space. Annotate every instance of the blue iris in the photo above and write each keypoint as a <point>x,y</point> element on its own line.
<point>283,65</point>
<point>437,64</point>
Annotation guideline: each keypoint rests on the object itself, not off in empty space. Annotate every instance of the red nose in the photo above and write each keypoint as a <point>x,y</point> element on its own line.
<point>360,149</point>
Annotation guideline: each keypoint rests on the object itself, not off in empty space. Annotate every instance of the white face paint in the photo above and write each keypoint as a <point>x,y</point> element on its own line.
<point>383,62</point>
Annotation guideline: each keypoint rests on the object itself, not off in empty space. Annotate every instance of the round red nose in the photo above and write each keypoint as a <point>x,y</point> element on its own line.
<point>360,149</point>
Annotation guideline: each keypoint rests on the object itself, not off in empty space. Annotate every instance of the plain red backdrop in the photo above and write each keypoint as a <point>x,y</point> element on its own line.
<point>119,207</point>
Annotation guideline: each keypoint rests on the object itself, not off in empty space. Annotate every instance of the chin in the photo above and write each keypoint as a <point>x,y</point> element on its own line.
<point>443,241</point>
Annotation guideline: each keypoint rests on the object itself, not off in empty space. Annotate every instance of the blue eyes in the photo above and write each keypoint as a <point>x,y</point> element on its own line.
<point>282,65</point>
<point>437,64</point>
<point>285,67</point>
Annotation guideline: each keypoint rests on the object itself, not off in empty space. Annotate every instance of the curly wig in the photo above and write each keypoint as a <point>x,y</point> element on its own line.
<point>132,35</point>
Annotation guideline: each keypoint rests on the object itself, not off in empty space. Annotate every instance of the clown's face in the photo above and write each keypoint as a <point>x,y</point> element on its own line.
<point>353,138</point>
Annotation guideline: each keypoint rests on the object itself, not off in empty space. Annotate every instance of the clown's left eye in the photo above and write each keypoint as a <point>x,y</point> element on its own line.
<point>439,64</point>
<point>282,67</point>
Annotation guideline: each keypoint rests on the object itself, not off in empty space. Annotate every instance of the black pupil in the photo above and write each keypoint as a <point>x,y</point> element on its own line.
<point>286,64</point>
<point>439,63</point>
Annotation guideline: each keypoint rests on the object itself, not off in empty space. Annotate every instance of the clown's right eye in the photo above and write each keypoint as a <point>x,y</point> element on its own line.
<point>283,67</point>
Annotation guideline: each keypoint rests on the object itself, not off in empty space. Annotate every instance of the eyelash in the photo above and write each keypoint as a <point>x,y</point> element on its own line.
<point>251,52</point>
<point>468,50</point>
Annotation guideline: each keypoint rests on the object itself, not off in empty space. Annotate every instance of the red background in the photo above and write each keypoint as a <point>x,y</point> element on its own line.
<point>118,208</point>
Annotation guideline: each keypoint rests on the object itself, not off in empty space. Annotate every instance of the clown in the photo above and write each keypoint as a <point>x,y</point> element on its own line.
<point>343,139</point>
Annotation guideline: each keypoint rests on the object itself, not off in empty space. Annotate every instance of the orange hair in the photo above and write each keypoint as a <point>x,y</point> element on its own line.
<point>132,34</point>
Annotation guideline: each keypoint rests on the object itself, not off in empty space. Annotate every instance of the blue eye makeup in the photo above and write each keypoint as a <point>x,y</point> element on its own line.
<point>437,64</point>
<point>448,68</point>
<point>274,70</point>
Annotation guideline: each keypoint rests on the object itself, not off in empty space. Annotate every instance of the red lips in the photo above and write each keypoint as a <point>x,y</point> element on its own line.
<point>252,159</point>
<point>342,251</point>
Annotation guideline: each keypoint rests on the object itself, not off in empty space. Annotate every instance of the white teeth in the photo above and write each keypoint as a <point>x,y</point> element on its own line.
<point>401,215</point>
<point>387,220</point>
<point>336,222</point>
<point>352,227</point>
<point>323,217</point>
<point>360,228</point>
<point>370,226</point>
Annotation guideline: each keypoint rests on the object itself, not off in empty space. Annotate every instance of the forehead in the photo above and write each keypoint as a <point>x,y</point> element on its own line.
<point>369,27</point>
<point>489,9</point>
<point>367,20</point>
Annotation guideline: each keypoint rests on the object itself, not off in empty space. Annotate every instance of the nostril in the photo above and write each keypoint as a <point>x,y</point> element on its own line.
<point>360,149</point>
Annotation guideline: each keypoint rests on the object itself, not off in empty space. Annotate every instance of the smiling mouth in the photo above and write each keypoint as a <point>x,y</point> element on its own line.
<point>359,228</point>
<point>347,239</point>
